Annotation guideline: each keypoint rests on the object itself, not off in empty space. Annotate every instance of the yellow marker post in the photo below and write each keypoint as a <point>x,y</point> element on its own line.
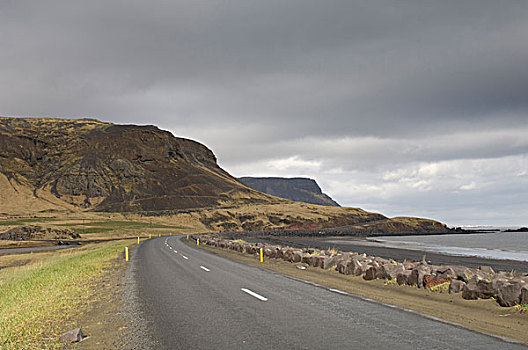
<point>261,255</point>
<point>159,234</point>
<point>138,239</point>
<point>150,236</point>
<point>198,241</point>
<point>126,253</point>
<point>187,237</point>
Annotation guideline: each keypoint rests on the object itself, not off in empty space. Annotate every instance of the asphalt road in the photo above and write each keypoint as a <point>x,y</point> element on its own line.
<point>192,299</point>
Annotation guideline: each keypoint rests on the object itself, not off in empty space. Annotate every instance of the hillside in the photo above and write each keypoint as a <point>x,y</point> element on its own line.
<point>75,170</point>
<point>298,189</point>
<point>87,164</point>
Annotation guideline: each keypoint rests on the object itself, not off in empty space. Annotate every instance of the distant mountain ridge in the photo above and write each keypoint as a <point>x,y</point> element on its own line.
<point>298,189</point>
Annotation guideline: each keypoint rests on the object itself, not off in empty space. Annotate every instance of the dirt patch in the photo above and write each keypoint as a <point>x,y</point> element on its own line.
<point>484,316</point>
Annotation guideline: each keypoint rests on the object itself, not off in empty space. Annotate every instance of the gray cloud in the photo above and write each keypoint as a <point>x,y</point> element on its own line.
<point>344,91</point>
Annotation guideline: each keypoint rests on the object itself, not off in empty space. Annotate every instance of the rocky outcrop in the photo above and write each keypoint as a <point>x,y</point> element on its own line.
<point>482,283</point>
<point>522,229</point>
<point>30,232</point>
<point>298,189</point>
<point>114,168</point>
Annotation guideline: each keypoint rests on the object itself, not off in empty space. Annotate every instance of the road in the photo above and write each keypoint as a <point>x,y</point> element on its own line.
<point>192,299</point>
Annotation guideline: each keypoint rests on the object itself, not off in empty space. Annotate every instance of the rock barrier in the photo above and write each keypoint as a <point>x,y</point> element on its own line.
<point>481,283</point>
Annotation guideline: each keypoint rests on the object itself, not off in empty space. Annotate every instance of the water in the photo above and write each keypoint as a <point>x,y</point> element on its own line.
<point>493,245</point>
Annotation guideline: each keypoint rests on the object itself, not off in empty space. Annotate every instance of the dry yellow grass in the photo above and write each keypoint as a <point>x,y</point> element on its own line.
<point>38,292</point>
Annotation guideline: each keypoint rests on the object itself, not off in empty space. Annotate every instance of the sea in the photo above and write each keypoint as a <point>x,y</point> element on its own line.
<point>491,245</point>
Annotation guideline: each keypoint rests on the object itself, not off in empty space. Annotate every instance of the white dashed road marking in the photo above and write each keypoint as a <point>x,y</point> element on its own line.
<point>186,258</point>
<point>253,294</point>
<point>205,268</point>
<point>338,291</point>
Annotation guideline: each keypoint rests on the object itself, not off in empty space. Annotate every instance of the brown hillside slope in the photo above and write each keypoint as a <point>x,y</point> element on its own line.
<point>113,168</point>
<point>68,167</point>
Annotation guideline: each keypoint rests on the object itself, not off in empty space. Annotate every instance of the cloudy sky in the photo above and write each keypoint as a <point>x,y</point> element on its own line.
<point>402,107</point>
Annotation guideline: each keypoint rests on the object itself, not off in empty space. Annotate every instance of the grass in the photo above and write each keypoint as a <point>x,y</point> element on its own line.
<point>37,298</point>
<point>25,221</point>
<point>521,308</point>
<point>108,226</point>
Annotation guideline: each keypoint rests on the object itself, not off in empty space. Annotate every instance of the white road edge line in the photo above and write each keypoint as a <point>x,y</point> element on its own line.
<point>186,258</point>
<point>338,291</point>
<point>253,294</point>
<point>204,268</point>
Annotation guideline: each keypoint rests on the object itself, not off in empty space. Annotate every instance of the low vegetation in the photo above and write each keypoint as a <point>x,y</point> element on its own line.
<point>39,293</point>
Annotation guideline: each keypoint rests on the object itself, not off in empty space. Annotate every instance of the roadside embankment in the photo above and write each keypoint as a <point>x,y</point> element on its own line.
<point>394,283</point>
<point>45,294</point>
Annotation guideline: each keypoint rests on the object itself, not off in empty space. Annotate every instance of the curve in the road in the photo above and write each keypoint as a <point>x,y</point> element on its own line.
<point>206,301</point>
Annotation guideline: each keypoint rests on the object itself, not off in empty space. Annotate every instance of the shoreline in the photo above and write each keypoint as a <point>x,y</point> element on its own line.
<point>398,254</point>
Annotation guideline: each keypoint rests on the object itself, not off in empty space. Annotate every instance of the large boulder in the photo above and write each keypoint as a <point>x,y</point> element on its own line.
<point>456,286</point>
<point>390,271</point>
<point>485,272</point>
<point>296,256</point>
<point>403,277</point>
<point>430,281</point>
<point>343,264</point>
<point>418,274</point>
<point>329,262</point>
<point>462,273</point>
<point>372,273</point>
<point>342,258</point>
<point>479,288</point>
<point>353,266</point>
<point>325,261</point>
<point>524,295</point>
<point>446,272</point>
<point>509,293</point>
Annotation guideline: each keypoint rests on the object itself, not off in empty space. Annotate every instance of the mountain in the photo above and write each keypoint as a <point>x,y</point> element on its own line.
<point>87,168</point>
<point>113,168</point>
<point>298,189</point>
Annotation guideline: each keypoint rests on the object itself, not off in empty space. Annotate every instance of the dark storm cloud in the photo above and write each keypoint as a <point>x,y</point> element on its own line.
<point>326,86</point>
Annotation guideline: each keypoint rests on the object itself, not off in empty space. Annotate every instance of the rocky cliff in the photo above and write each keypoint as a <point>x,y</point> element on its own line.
<point>298,189</point>
<point>115,168</point>
<point>55,166</point>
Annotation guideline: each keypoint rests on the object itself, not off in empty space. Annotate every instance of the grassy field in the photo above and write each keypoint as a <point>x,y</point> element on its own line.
<point>25,221</point>
<point>40,293</point>
<point>108,226</point>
